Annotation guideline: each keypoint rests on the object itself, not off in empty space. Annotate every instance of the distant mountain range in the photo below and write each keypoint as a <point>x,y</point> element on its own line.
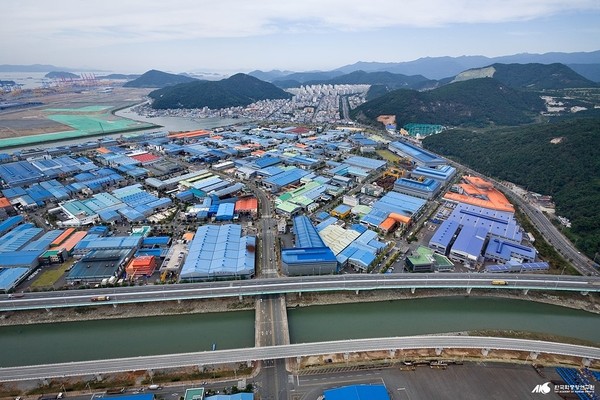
<point>499,94</point>
<point>237,90</point>
<point>158,79</point>
<point>436,68</point>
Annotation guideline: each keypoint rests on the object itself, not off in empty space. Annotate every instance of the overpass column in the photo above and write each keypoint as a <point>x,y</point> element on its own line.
<point>525,292</point>
<point>587,362</point>
<point>346,357</point>
<point>412,290</point>
<point>115,305</point>
<point>241,297</point>
<point>438,351</point>
<point>534,355</point>
<point>357,291</point>
<point>468,290</point>
<point>485,352</point>
<point>585,293</point>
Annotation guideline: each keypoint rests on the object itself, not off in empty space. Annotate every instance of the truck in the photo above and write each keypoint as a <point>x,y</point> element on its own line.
<point>100,298</point>
<point>16,295</point>
<point>499,282</point>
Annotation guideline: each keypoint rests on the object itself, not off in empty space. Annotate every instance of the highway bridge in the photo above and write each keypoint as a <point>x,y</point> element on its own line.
<point>272,286</point>
<point>393,344</point>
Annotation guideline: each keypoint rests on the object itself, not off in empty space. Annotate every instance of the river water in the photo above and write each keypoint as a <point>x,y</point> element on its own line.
<point>88,340</point>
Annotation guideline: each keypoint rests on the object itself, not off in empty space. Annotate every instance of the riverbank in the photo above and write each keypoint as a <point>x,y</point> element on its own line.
<point>576,301</point>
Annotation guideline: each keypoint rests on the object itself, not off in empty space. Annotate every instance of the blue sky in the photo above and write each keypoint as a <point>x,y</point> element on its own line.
<point>241,35</point>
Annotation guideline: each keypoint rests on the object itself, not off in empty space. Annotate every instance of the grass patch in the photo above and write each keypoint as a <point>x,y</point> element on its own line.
<point>48,278</point>
<point>388,156</point>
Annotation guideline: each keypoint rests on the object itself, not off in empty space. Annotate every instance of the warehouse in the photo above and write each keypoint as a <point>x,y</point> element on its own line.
<point>394,202</point>
<point>502,250</point>
<point>497,223</point>
<point>310,256</point>
<point>442,173</point>
<point>357,392</point>
<point>418,156</point>
<point>468,245</point>
<point>444,236</point>
<point>219,251</point>
<point>98,265</point>
<point>288,177</point>
<point>92,242</point>
<point>425,189</point>
<point>141,266</point>
<point>11,277</point>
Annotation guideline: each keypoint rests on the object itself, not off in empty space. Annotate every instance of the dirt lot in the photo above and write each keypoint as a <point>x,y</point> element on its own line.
<point>34,121</point>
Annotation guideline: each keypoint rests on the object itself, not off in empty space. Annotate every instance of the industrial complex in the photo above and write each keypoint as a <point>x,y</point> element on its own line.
<point>178,207</point>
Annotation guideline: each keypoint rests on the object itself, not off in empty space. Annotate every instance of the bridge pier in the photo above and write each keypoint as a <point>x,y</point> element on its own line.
<point>178,301</point>
<point>438,351</point>
<point>525,292</point>
<point>240,297</point>
<point>585,293</point>
<point>99,378</point>
<point>485,352</point>
<point>346,357</point>
<point>534,355</point>
<point>412,290</point>
<point>357,291</point>
<point>299,294</point>
<point>115,305</point>
<point>392,353</point>
<point>469,290</point>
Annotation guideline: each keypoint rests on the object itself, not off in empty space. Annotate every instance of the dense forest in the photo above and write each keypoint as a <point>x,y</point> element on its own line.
<point>158,79</point>
<point>568,169</point>
<point>238,90</point>
<point>477,102</point>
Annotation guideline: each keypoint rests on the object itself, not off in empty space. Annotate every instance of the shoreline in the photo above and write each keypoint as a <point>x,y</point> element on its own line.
<point>14,318</point>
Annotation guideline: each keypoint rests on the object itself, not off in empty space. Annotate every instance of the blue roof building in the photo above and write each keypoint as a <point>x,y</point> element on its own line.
<point>370,164</point>
<point>441,173</point>
<point>425,189</point>
<point>468,245</point>
<point>237,396</point>
<point>219,251</point>
<point>11,277</point>
<point>285,178</point>
<point>9,223</point>
<point>497,223</point>
<point>418,155</point>
<point>357,392</point>
<point>502,250</point>
<point>310,256</point>
<point>442,238</point>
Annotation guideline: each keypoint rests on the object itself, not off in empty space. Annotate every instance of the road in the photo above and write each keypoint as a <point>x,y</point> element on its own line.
<point>273,286</point>
<point>271,314</point>
<point>81,368</point>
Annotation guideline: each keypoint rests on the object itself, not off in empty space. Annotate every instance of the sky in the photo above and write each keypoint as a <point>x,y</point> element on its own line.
<point>227,36</point>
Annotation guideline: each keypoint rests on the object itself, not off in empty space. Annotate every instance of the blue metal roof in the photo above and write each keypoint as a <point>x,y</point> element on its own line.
<point>443,235</point>
<point>287,177</point>
<point>10,276</point>
<point>427,185</point>
<point>418,154</point>
<point>9,223</point>
<point>156,241</point>
<point>498,223</point>
<point>364,162</point>
<point>306,234</point>
<point>299,255</point>
<point>469,241</point>
<point>504,249</point>
<point>357,392</point>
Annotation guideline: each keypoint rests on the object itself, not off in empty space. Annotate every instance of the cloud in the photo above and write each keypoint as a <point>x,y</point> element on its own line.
<point>109,22</point>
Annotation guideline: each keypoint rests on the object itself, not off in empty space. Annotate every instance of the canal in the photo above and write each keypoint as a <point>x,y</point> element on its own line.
<point>89,340</point>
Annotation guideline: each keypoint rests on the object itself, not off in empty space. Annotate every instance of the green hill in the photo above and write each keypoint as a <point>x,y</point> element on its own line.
<point>61,75</point>
<point>530,76</point>
<point>238,90</point>
<point>475,102</point>
<point>568,170</point>
<point>158,79</point>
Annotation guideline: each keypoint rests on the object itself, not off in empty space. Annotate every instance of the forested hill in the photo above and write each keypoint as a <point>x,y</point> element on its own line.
<point>158,79</point>
<point>475,102</point>
<point>568,169</point>
<point>238,90</point>
<point>531,76</point>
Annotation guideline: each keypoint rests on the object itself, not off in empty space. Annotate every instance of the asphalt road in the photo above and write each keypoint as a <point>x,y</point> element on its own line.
<point>290,351</point>
<point>267,286</point>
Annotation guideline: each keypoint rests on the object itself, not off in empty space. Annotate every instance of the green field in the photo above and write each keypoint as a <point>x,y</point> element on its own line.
<point>388,155</point>
<point>48,278</point>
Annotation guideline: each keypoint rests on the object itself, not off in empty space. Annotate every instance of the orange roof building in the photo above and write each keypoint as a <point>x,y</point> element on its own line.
<point>141,266</point>
<point>4,203</point>
<point>247,205</point>
<point>481,193</point>
<point>388,225</point>
<point>62,237</point>
<point>75,238</point>
<point>191,134</point>
<point>399,218</point>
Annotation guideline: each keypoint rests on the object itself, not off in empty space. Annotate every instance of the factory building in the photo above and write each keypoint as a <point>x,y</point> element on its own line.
<point>424,189</point>
<point>503,250</point>
<point>441,173</point>
<point>416,154</point>
<point>310,256</point>
<point>219,251</point>
<point>424,259</point>
<point>357,392</point>
<point>98,265</point>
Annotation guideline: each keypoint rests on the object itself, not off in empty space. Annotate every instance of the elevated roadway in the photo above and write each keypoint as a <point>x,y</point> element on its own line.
<point>292,351</point>
<point>275,286</point>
